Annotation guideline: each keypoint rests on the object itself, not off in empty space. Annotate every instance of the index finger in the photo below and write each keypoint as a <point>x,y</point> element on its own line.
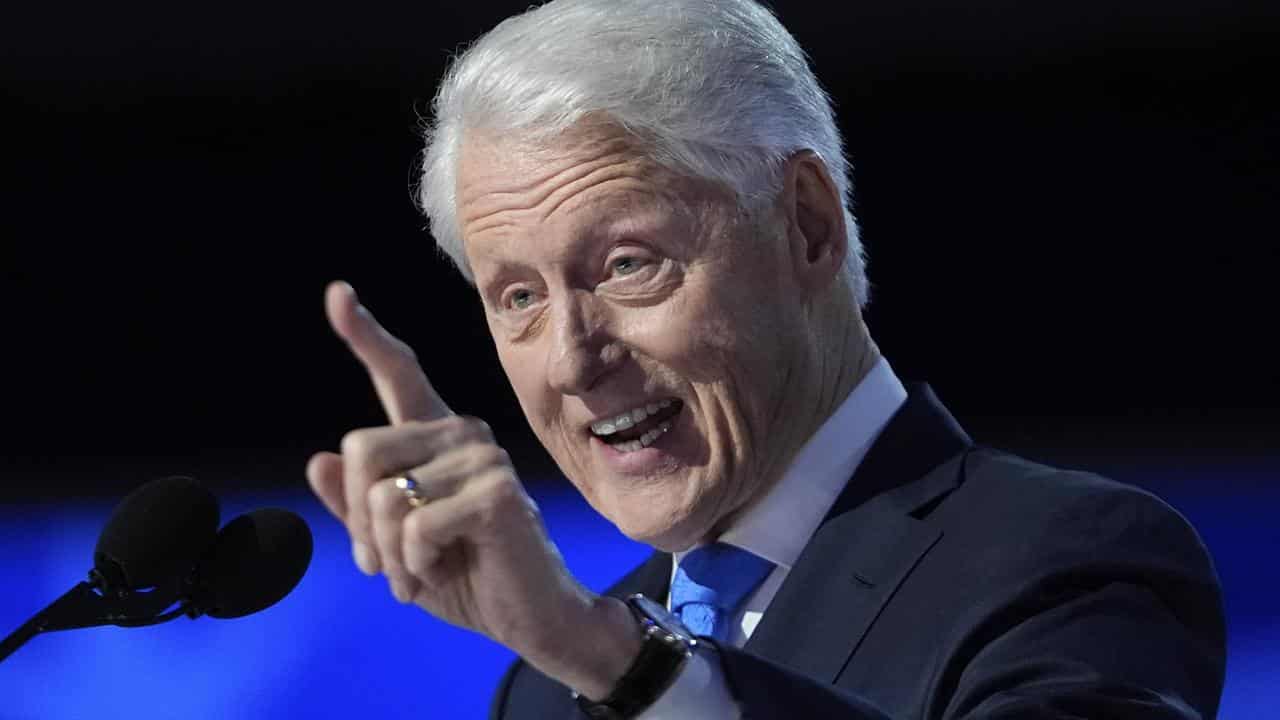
<point>398,379</point>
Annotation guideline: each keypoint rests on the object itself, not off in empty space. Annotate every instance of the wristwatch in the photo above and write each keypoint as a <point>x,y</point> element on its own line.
<point>667,646</point>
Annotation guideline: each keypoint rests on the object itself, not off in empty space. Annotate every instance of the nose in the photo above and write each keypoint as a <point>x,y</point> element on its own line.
<point>582,348</point>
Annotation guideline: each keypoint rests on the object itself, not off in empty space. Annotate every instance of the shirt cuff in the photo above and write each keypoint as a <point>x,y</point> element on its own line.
<point>699,691</point>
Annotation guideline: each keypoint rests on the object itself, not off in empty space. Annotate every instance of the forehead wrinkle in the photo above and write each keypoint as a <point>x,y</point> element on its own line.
<point>623,194</point>
<point>567,167</point>
<point>481,199</point>
<point>622,208</point>
<point>572,200</point>
<point>616,201</point>
<point>597,177</point>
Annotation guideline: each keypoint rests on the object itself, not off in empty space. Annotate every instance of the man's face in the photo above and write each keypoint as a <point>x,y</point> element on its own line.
<point>615,289</point>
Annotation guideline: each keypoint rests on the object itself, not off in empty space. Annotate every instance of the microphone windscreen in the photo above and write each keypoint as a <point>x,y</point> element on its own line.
<point>256,561</point>
<point>156,534</point>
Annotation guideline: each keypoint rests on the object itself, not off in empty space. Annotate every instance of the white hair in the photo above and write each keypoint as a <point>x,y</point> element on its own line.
<point>714,89</point>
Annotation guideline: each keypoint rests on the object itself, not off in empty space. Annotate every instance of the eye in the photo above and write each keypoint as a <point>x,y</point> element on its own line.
<point>626,265</point>
<point>519,299</point>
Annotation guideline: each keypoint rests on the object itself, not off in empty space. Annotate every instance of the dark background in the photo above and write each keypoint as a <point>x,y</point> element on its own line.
<point>1070,210</point>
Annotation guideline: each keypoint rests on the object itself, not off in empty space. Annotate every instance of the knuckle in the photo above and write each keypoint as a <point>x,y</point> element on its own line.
<point>405,351</point>
<point>458,429</point>
<point>417,527</point>
<point>475,427</point>
<point>413,565</point>
<point>498,455</point>
<point>419,562</point>
<point>354,444</point>
<point>368,453</point>
<point>382,499</point>
<point>502,496</point>
<point>450,426</point>
<point>362,449</point>
<point>485,455</point>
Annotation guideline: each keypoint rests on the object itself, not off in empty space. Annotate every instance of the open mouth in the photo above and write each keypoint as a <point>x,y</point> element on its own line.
<point>638,428</point>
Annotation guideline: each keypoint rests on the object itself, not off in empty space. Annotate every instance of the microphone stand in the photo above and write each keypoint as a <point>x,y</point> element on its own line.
<point>89,605</point>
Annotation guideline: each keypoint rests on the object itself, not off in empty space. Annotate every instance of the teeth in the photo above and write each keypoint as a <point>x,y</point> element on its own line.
<point>648,438</point>
<point>644,440</point>
<point>628,419</point>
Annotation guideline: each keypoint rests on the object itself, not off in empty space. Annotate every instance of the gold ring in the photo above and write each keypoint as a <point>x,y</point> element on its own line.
<point>411,490</point>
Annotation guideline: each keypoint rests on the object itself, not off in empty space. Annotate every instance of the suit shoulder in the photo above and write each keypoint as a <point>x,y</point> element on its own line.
<point>1035,559</point>
<point>1022,535</point>
<point>1001,471</point>
<point>1054,510</point>
<point>1011,481</point>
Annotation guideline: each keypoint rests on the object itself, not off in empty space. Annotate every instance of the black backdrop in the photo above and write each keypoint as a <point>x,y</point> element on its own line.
<point>1069,208</point>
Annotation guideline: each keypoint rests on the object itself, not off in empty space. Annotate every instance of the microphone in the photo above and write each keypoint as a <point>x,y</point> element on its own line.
<point>257,560</point>
<point>161,548</point>
<point>155,534</point>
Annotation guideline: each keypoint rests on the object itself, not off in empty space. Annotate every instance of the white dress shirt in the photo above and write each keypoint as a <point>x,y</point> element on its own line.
<point>780,525</point>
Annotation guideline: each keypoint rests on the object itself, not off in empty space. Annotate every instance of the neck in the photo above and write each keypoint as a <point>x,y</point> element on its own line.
<point>844,364</point>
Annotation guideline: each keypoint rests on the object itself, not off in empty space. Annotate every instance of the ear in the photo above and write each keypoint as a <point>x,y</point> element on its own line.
<point>816,231</point>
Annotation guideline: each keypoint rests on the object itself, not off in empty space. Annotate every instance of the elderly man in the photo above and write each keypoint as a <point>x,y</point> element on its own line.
<point>651,200</point>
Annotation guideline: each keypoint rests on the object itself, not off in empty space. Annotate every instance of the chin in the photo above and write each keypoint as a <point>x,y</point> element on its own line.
<point>665,512</point>
<point>668,527</point>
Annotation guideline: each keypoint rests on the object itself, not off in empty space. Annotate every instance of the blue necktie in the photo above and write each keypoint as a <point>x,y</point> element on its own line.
<point>709,585</point>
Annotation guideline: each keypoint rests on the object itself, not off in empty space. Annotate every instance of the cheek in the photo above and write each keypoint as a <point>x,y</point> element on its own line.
<point>524,375</point>
<point>740,359</point>
<point>541,405</point>
<point>687,335</point>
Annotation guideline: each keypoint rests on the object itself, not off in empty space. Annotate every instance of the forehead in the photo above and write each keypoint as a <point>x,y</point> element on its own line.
<point>498,174</point>
<point>591,180</point>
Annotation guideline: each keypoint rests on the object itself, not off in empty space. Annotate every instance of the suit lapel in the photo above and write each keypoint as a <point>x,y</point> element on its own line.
<point>868,543</point>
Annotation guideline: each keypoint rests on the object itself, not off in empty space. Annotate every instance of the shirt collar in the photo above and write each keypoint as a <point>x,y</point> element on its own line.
<point>778,527</point>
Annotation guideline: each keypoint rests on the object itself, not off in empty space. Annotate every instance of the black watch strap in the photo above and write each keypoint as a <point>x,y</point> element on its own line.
<point>666,647</point>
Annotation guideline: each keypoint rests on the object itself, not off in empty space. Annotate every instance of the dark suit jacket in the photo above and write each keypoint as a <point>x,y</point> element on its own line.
<point>950,581</point>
